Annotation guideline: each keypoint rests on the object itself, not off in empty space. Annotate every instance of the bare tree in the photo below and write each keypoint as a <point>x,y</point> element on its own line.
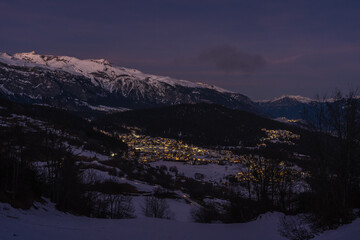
<point>120,206</point>
<point>156,208</point>
<point>336,169</point>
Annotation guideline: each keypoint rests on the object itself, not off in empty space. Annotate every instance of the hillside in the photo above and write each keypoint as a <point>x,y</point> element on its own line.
<point>290,107</point>
<point>204,124</point>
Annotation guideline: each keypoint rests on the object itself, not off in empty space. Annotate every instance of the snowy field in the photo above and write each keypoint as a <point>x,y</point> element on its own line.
<point>211,172</point>
<point>46,223</point>
<point>54,225</point>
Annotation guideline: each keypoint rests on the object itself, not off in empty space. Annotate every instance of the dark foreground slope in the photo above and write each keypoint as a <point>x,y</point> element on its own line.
<point>33,136</point>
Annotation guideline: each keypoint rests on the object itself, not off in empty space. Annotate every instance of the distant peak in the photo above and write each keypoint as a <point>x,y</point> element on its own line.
<point>292,97</point>
<point>4,54</point>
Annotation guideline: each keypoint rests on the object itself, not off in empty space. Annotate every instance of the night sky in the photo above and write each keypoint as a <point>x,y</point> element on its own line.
<point>260,48</point>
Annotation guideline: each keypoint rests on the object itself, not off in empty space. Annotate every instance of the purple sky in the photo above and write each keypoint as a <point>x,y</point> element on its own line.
<point>260,48</point>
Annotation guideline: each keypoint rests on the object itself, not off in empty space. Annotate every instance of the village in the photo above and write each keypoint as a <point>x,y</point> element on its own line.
<point>152,149</point>
<point>278,136</point>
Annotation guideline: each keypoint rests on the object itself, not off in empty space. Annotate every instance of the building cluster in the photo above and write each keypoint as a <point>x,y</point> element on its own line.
<point>151,149</point>
<point>278,136</point>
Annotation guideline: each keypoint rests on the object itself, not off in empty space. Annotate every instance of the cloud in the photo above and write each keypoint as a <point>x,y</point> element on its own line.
<point>230,59</point>
<point>288,59</point>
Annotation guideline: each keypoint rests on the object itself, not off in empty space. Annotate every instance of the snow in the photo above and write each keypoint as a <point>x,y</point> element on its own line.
<point>51,224</point>
<point>211,172</point>
<point>23,121</point>
<point>107,108</point>
<point>94,175</point>
<point>349,231</point>
<point>79,151</point>
<point>90,68</point>
<point>299,99</point>
<point>48,223</point>
<point>5,90</point>
<point>179,209</point>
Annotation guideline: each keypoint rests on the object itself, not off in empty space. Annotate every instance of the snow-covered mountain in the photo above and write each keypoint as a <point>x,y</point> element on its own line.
<point>80,84</point>
<point>288,98</point>
<point>288,106</point>
<point>294,107</point>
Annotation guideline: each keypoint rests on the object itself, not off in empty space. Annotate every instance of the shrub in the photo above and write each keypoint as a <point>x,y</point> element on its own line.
<point>205,214</point>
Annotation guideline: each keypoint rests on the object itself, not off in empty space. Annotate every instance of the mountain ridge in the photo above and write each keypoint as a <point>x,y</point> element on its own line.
<point>89,68</point>
<point>34,78</point>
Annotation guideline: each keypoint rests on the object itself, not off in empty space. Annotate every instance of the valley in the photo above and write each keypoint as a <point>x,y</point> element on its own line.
<point>179,120</point>
<point>102,141</point>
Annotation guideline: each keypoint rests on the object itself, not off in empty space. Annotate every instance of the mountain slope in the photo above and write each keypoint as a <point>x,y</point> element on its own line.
<point>290,107</point>
<point>83,84</point>
<point>202,124</point>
